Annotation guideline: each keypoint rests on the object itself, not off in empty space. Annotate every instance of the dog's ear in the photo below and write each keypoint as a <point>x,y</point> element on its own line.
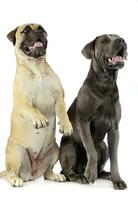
<point>88,49</point>
<point>11,36</point>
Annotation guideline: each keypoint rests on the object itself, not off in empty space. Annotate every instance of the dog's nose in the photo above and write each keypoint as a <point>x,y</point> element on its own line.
<point>120,41</point>
<point>36,31</point>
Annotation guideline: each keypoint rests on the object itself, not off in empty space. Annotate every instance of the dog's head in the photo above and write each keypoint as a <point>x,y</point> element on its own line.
<point>29,40</point>
<point>108,50</point>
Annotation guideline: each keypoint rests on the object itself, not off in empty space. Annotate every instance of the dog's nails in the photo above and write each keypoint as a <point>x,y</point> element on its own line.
<point>93,182</point>
<point>47,123</point>
<point>35,126</point>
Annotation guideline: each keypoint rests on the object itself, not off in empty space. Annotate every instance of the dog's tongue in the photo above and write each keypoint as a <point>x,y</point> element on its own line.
<point>115,59</point>
<point>36,44</point>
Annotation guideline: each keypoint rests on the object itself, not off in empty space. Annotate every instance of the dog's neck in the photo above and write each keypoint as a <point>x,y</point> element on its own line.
<point>35,66</point>
<point>103,78</point>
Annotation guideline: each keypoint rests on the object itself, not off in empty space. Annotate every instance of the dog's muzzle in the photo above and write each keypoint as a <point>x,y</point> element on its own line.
<point>119,55</point>
<point>36,50</point>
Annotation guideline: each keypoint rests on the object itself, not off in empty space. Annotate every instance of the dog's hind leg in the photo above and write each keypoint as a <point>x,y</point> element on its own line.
<point>103,155</point>
<point>68,160</point>
<point>46,165</point>
<point>14,161</point>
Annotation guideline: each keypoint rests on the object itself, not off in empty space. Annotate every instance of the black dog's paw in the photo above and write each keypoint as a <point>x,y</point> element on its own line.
<point>119,185</point>
<point>82,179</point>
<point>104,175</point>
<point>79,178</point>
<point>91,175</point>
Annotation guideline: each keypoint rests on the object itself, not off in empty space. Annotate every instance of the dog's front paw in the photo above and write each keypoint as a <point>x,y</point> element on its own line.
<point>40,121</point>
<point>66,128</point>
<point>91,174</point>
<point>119,185</point>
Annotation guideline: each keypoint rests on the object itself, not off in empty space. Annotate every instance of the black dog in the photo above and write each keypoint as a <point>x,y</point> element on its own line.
<point>95,112</point>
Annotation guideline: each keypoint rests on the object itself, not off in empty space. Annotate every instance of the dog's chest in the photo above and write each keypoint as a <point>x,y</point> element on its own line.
<point>44,91</point>
<point>106,117</point>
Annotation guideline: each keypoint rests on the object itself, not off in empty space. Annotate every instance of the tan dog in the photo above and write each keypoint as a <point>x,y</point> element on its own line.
<point>38,97</point>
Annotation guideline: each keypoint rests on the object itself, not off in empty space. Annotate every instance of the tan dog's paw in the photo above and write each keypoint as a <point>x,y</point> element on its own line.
<point>15,181</point>
<point>40,122</point>
<point>66,128</point>
<point>55,177</point>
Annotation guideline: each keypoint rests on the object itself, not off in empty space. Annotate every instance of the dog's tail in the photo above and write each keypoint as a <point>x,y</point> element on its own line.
<point>3,173</point>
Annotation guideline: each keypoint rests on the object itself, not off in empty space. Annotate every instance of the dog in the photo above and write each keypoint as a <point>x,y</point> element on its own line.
<point>38,97</point>
<point>96,111</point>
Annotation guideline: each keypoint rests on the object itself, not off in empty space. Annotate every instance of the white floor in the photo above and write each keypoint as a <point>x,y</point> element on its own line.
<point>39,189</point>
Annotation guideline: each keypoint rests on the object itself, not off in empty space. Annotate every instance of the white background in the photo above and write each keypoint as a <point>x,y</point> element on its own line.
<point>70,25</point>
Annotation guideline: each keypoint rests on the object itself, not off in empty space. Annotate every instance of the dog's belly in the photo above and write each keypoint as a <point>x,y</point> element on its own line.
<point>33,139</point>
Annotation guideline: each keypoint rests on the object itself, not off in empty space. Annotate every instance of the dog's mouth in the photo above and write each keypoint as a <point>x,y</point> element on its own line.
<point>36,50</point>
<point>117,61</point>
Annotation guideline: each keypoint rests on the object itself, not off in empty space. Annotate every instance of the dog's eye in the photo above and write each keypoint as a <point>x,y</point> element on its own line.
<point>106,40</point>
<point>26,29</point>
<point>40,28</point>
